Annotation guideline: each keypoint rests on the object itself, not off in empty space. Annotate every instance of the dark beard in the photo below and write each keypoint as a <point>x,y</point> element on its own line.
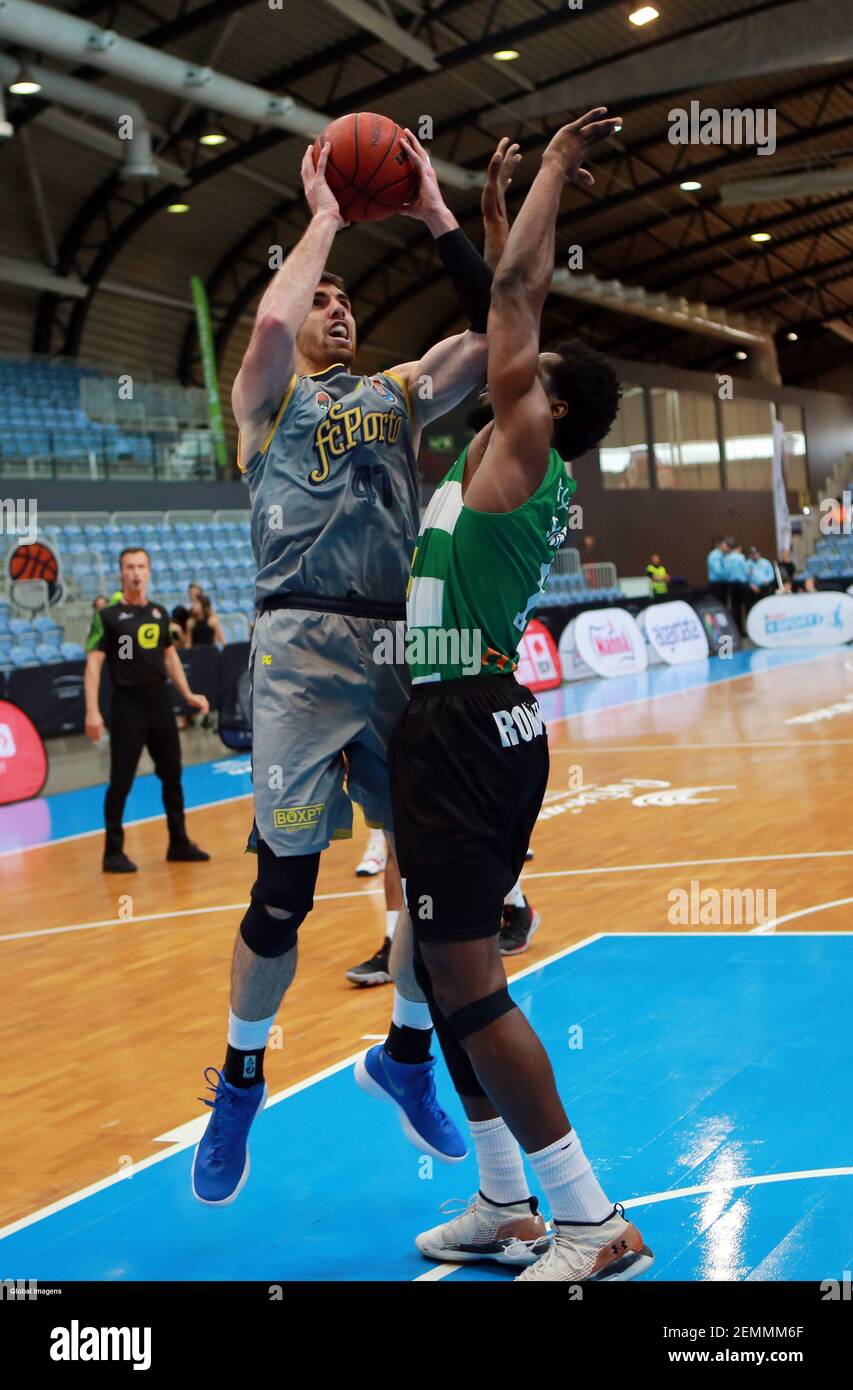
<point>481,415</point>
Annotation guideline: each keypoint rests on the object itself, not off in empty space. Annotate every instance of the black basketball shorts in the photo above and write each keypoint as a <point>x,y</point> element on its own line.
<point>468,765</point>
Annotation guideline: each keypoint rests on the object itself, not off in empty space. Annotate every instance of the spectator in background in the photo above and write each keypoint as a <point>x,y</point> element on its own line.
<point>658,575</point>
<point>178,625</point>
<point>99,602</point>
<point>717,568</point>
<point>787,568</point>
<point>811,585</point>
<point>737,578</point>
<point>761,576</point>
<point>588,549</point>
<point>203,626</point>
<point>193,590</point>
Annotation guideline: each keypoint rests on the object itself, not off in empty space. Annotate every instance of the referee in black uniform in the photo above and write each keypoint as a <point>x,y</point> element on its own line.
<point>132,634</point>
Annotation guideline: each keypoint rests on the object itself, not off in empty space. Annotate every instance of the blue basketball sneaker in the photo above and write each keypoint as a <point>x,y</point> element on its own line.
<point>221,1163</point>
<point>411,1087</point>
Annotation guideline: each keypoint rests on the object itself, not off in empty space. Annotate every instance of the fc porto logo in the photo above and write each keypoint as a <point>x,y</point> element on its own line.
<point>381,389</point>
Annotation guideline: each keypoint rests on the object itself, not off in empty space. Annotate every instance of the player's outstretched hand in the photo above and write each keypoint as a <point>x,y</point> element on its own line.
<point>318,194</point>
<point>498,179</point>
<point>502,165</point>
<point>429,205</point>
<point>572,144</point>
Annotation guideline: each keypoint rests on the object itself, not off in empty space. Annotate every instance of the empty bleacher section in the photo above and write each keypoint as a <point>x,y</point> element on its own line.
<point>211,549</point>
<point>571,583</point>
<point>59,419</point>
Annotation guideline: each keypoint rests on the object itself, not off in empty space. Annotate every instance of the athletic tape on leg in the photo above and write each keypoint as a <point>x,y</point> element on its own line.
<point>473,1017</point>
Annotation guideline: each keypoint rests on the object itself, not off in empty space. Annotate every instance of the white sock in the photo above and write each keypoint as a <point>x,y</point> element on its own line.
<point>408,1014</point>
<point>391,922</point>
<point>500,1161</point>
<point>248,1036</point>
<point>515,897</point>
<point>568,1181</point>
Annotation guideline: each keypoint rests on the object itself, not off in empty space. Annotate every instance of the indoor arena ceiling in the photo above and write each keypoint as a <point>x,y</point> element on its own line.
<point>93,263</point>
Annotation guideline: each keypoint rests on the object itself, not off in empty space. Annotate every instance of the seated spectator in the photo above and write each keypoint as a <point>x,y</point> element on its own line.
<point>178,625</point>
<point>657,573</point>
<point>786,565</point>
<point>203,626</point>
<point>761,576</point>
<point>811,585</point>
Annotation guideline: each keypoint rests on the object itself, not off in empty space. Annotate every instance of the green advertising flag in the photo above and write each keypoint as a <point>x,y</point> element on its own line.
<point>211,377</point>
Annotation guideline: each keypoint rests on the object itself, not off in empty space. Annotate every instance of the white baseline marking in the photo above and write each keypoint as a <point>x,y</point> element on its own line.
<point>143,820</point>
<point>767,927</point>
<point>184,1136</point>
<point>441,1271</point>
<point>580,749</point>
<point>689,690</point>
<point>375,892</point>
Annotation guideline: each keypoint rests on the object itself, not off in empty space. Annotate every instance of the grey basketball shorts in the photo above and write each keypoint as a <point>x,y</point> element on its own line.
<point>323,711</point>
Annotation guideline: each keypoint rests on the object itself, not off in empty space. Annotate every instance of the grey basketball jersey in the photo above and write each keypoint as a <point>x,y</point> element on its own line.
<point>335,490</point>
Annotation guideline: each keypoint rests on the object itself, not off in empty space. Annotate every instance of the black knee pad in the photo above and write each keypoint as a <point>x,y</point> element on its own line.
<point>471,1018</point>
<point>286,884</point>
<point>462,1074</point>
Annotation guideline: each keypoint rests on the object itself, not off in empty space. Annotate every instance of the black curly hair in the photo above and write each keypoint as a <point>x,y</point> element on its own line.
<point>585,380</point>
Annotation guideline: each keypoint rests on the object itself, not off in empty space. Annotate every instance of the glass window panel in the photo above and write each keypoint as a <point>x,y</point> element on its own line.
<point>623,454</point>
<point>687,450</point>
<point>794,448</point>
<point>748,434</point>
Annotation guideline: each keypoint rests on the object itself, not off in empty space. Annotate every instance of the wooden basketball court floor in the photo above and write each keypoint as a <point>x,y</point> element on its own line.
<point>695,817</point>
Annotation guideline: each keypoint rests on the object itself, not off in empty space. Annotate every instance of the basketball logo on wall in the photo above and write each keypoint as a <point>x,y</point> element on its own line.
<point>34,560</point>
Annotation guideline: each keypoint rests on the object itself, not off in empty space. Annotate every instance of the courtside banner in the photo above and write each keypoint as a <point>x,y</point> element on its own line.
<point>574,667</point>
<point>610,641</point>
<point>538,659</point>
<point>719,626</point>
<point>801,620</point>
<point>674,632</point>
<point>23,761</point>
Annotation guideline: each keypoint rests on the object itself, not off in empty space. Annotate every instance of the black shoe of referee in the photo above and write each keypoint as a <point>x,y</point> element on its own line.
<point>185,852</point>
<point>118,863</point>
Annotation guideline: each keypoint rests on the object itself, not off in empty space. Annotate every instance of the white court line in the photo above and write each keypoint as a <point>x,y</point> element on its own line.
<point>712,1188</point>
<point>143,820</point>
<point>167,916</point>
<point>578,749</point>
<point>767,927</point>
<point>559,719</point>
<point>689,690</point>
<point>184,1136</point>
<point>375,892</point>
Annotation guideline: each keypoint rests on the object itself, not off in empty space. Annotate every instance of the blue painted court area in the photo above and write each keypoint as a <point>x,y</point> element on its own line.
<point>707,1062</point>
<point>50,818</point>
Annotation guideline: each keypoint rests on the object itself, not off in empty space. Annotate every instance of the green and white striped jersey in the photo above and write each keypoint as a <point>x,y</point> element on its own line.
<point>477,577</point>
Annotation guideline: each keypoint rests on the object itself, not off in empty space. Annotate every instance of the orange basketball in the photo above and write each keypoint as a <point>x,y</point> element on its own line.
<point>369,169</point>
<point>34,561</point>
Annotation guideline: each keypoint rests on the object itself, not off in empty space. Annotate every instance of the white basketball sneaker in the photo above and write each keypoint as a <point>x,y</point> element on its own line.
<point>511,1235</point>
<point>613,1250</point>
<point>375,856</point>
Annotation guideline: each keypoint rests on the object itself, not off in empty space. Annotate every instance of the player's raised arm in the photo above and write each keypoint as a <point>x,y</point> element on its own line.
<point>522,411</point>
<point>268,363</point>
<point>450,369</point>
<point>502,166</point>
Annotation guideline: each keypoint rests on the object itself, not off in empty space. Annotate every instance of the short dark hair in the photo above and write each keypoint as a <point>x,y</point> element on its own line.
<point>327,278</point>
<point>585,380</point>
<point>134,550</point>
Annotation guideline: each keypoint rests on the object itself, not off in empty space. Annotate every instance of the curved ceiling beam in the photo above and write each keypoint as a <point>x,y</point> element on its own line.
<point>591,208</point>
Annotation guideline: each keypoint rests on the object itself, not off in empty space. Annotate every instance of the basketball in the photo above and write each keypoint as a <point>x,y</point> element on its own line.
<point>369,170</point>
<point>34,561</point>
